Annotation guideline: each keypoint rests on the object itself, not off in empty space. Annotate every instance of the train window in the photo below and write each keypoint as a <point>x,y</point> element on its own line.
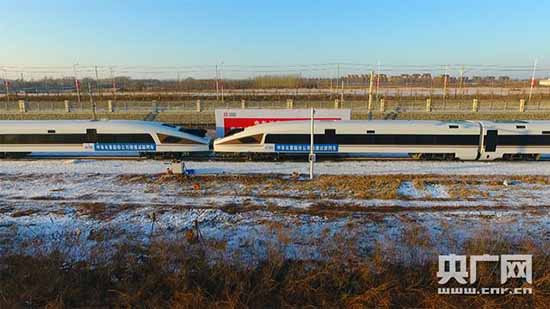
<point>374,139</point>
<point>168,139</point>
<point>233,131</point>
<point>524,140</point>
<point>453,126</point>
<point>42,138</point>
<point>253,139</point>
<point>126,138</point>
<point>75,138</point>
<point>288,138</point>
<point>51,131</point>
<point>370,131</point>
<point>545,132</point>
<point>330,132</point>
<point>169,125</point>
<point>196,132</point>
<point>520,127</point>
<point>249,140</point>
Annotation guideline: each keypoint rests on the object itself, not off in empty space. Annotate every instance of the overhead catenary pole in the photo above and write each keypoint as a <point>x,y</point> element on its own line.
<point>445,79</point>
<point>97,89</point>
<point>221,79</point>
<point>217,85</point>
<point>377,81</point>
<point>337,77</point>
<point>371,82</point>
<point>532,81</point>
<point>461,81</point>
<point>7,85</point>
<point>76,83</point>
<point>312,144</point>
<point>94,116</point>
<point>113,82</point>
<point>342,92</point>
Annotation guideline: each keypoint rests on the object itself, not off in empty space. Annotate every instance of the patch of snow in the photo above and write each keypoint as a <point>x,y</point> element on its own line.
<point>436,191</point>
<point>407,189</point>
<point>90,166</point>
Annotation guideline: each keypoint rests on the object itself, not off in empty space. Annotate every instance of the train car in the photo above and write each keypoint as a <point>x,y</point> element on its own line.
<point>419,139</point>
<point>20,138</point>
<point>515,140</point>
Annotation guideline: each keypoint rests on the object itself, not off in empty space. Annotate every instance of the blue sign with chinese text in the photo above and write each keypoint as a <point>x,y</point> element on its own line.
<point>124,147</point>
<point>305,147</point>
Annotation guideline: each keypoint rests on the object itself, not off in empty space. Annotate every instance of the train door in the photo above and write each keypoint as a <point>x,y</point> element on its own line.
<point>491,140</point>
<point>330,136</point>
<point>91,135</point>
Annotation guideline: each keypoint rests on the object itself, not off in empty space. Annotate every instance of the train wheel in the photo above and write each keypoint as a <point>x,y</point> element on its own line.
<point>434,156</point>
<point>449,156</point>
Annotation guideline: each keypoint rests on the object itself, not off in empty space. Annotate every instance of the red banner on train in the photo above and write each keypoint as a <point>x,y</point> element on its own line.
<point>231,119</point>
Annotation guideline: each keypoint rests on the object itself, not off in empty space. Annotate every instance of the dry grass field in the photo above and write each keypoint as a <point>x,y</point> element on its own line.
<point>180,275</point>
<point>127,240</point>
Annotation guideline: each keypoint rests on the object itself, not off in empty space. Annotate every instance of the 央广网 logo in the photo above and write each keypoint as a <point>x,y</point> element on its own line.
<point>454,267</point>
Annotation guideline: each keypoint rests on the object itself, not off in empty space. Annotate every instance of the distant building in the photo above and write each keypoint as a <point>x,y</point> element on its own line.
<point>545,82</point>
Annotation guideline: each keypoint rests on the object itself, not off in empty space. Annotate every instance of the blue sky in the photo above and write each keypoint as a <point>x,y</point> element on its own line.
<point>274,32</point>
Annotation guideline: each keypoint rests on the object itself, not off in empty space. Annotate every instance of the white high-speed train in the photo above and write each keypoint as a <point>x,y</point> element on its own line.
<point>422,139</point>
<point>19,138</point>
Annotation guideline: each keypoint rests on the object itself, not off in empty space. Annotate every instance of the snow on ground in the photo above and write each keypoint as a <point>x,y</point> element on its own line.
<point>80,204</point>
<point>368,167</point>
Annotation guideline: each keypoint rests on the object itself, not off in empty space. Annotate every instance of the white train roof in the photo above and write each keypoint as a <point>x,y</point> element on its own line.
<point>360,124</point>
<point>361,127</point>
<point>518,126</point>
<point>76,124</point>
<point>102,126</point>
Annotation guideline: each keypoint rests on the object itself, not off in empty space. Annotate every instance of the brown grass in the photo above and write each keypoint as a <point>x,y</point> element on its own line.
<point>24,213</point>
<point>181,275</point>
<point>330,186</point>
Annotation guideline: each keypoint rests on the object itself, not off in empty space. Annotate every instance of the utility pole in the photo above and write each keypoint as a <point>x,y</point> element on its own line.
<point>7,85</point>
<point>113,82</point>
<point>342,92</point>
<point>532,81</point>
<point>217,85</point>
<point>221,78</point>
<point>97,89</point>
<point>76,83</point>
<point>371,82</point>
<point>377,81</point>
<point>337,76</point>
<point>445,83</point>
<point>312,144</point>
<point>94,116</point>
<point>461,82</point>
